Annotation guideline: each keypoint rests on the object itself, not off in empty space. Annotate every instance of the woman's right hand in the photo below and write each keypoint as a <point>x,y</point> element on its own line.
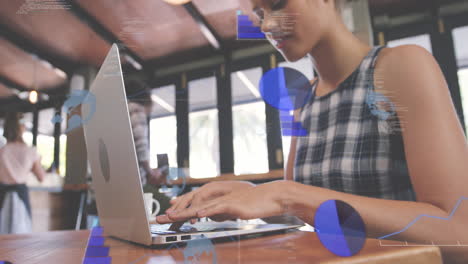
<point>207,192</point>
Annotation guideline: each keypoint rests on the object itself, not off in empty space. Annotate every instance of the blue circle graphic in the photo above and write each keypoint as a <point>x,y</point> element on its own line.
<point>285,88</point>
<point>340,228</point>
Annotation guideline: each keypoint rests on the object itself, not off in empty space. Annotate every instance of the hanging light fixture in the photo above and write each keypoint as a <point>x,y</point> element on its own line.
<point>33,97</point>
<point>177,2</point>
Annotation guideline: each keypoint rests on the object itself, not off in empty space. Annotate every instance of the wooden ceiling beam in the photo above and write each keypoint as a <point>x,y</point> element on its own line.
<point>27,46</point>
<point>103,32</point>
<point>206,29</point>
<point>12,85</point>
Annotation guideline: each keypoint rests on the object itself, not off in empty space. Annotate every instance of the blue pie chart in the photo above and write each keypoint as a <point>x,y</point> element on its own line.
<point>340,228</point>
<point>285,88</point>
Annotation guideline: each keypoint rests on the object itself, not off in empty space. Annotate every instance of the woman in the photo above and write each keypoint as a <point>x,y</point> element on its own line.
<point>17,161</point>
<point>391,169</point>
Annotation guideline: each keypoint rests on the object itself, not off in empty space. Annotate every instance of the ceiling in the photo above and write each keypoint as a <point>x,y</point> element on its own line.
<point>40,43</point>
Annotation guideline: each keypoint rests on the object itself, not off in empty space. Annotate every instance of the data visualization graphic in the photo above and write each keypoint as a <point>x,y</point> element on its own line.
<point>456,243</point>
<point>37,6</point>
<point>287,89</point>
<point>246,29</point>
<point>75,99</point>
<point>340,228</point>
<point>96,252</point>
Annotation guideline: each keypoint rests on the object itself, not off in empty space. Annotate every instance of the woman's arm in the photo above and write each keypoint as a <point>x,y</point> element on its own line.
<point>437,155</point>
<point>38,170</point>
<point>384,217</point>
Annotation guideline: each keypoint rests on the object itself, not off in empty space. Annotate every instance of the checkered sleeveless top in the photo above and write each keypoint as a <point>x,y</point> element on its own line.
<point>353,145</point>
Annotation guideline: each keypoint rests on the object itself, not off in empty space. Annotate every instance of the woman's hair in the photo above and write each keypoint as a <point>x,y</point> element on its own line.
<point>340,5</point>
<point>138,92</point>
<point>12,129</point>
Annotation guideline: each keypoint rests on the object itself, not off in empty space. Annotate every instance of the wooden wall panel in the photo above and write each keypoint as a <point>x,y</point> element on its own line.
<point>150,28</point>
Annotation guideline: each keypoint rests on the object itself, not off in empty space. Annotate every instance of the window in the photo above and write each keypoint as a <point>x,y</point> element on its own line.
<point>2,138</point>
<point>463,79</point>
<point>45,148</point>
<point>28,123</point>
<point>249,123</point>
<point>204,130</point>
<point>163,126</point>
<point>45,142</point>
<point>45,138</point>
<point>63,155</point>
<point>305,66</point>
<point>420,40</point>
<point>460,38</point>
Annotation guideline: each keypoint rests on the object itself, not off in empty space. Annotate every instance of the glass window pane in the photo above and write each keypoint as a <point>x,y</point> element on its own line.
<point>163,101</point>
<point>163,139</point>
<point>28,138</point>
<point>305,66</point>
<point>249,123</point>
<point>28,122</point>
<point>2,138</point>
<point>460,38</point>
<point>45,139</point>
<point>204,131</point>
<point>420,40</point>
<point>463,79</point>
<point>63,155</point>
<point>163,126</point>
<point>45,148</point>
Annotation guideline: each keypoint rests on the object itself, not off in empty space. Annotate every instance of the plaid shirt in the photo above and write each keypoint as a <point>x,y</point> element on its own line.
<point>352,145</point>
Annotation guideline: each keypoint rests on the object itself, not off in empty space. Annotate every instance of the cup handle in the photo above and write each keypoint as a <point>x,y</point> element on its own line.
<point>158,207</point>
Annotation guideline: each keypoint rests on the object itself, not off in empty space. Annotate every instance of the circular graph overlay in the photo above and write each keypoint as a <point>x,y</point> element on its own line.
<point>285,88</point>
<point>340,228</point>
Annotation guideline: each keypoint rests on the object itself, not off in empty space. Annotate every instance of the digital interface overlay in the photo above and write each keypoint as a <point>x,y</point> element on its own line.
<point>287,90</point>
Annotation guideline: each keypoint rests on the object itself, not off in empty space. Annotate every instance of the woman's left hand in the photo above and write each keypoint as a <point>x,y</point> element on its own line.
<point>256,202</point>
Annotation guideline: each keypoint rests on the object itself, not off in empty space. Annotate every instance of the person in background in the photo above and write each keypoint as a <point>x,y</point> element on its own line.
<point>17,161</point>
<point>140,107</point>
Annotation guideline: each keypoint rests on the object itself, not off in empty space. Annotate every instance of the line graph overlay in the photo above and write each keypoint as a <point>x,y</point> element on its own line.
<point>406,244</point>
<point>448,218</point>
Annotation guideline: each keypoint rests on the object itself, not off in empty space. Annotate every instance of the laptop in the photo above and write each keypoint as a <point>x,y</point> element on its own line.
<point>115,172</point>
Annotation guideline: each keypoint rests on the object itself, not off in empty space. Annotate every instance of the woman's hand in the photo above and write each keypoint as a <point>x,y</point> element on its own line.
<point>244,203</point>
<point>206,193</point>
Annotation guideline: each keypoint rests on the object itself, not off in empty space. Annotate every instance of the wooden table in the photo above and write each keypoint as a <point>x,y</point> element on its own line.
<point>297,247</point>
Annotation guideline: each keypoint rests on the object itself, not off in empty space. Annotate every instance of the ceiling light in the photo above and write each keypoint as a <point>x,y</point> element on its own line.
<point>133,62</point>
<point>33,97</point>
<point>60,73</point>
<point>177,2</point>
<point>248,84</point>
<point>162,103</point>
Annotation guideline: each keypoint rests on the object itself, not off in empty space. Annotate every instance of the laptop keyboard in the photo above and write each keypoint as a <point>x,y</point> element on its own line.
<point>164,229</point>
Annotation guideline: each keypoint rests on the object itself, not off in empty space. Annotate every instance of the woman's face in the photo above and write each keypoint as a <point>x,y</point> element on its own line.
<point>294,27</point>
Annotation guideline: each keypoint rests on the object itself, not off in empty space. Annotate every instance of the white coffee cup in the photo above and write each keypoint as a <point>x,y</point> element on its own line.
<point>149,201</point>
